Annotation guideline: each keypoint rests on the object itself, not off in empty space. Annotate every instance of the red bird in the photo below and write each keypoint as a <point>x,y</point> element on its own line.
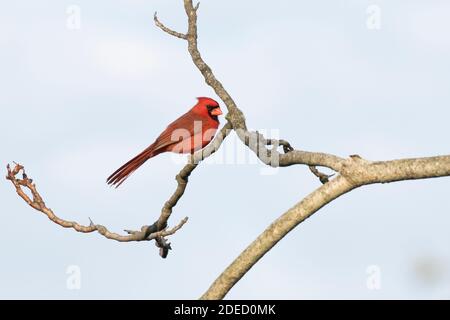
<point>189,133</point>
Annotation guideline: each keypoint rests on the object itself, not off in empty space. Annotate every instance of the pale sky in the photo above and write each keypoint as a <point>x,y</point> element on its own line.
<point>78,103</point>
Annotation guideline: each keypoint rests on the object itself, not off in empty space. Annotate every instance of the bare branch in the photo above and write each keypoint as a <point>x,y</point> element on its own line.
<point>253,140</point>
<point>160,25</point>
<point>183,175</point>
<point>37,203</point>
<point>165,233</point>
<point>256,142</point>
<point>324,178</point>
<point>353,173</point>
<point>273,142</point>
<point>157,231</point>
<point>235,115</point>
<point>359,172</point>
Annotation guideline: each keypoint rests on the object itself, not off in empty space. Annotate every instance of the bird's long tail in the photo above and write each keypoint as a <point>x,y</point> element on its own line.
<point>121,174</point>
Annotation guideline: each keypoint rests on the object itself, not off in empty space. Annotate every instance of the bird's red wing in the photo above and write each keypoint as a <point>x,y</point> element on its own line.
<point>181,129</point>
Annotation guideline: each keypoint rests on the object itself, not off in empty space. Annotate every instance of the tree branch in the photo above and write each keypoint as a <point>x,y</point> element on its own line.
<point>157,231</point>
<point>36,202</point>
<point>358,172</point>
<point>324,178</point>
<point>235,115</point>
<point>160,25</point>
<point>254,140</point>
<point>353,172</point>
<point>182,179</point>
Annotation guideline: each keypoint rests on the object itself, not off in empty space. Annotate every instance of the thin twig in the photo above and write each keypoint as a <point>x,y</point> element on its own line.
<point>160,25</point>
<point>324,178</point>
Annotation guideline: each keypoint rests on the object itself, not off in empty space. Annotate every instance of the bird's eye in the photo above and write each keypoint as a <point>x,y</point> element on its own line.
<point>210,108</point>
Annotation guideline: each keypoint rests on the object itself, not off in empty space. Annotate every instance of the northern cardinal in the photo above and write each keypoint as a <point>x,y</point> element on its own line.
<point>189,133</point>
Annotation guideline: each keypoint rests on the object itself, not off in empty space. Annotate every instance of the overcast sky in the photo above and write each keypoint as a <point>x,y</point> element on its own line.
<point>344,77</point>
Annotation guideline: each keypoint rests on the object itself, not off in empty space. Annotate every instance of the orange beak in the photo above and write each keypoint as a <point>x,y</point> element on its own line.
<point>216,112</point>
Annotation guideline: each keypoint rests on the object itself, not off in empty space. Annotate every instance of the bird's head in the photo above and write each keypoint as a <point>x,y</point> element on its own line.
<point>208,106</point>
